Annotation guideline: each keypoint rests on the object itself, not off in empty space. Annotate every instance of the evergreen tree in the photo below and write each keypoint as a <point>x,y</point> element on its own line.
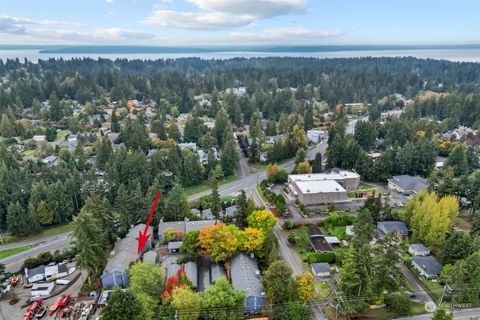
<point>177,205</point>
<point>242,209</point>
<point>103,151</point>
<point>230,157</point>
<point>216,205</point>
<point>364,228</point>
<point>457,247</point>
<point>317,163</point>
<point>114,121</point>
<point>18,220</point>
<point>222,128</point>
<point>458,160</point>
<point>7,127</point>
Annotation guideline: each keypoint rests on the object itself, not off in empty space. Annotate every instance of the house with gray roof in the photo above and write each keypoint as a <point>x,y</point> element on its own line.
<point>217,271</point>
<point>246,277</point>
<point>384,227</point>
<point>418,249</point>
<point>407,184</point>
<point>150,256</point>
<point>122,255</point>
<point>182,226</point>
<point>428,266</point>
<point>321,269</point>
<point>35,274</point>
<point>230,212</point>
<point>191,273</point>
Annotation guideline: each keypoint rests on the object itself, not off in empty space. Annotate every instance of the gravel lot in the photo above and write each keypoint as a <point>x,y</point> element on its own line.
<point>15,312</point>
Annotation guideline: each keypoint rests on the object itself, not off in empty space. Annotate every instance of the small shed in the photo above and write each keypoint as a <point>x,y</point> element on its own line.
<point>418,249</point>
<point>321,269</point>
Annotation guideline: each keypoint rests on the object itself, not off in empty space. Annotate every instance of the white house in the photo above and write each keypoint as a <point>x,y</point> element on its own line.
<point>39,138</point>
<point>35,274</point>
<point>418,249</point>
<point>56,270</point>
<point>315,135</point>
<point>42,289</point>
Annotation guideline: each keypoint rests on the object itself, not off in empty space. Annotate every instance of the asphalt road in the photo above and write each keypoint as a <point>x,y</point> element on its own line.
<point>465,314</point>
<point>247,182</point>
<point>14,263</point>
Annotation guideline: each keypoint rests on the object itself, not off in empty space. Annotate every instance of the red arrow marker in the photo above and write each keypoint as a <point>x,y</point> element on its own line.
<point>143,238</point>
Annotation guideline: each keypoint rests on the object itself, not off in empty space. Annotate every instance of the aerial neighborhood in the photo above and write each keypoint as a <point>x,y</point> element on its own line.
<point>275,188</point>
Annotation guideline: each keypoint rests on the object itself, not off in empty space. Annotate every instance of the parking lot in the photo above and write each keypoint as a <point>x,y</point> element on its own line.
<point>16,311</point>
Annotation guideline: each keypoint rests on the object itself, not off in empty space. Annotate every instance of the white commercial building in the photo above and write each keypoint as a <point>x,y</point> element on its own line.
<point>323,188</point>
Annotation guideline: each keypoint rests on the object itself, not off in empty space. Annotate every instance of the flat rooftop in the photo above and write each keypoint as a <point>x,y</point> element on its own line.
<point>313,186</point>
<point>338,175</point>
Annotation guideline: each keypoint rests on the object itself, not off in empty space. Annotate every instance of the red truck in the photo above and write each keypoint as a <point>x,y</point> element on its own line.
<point>60,302</point>
<point>30,311</point>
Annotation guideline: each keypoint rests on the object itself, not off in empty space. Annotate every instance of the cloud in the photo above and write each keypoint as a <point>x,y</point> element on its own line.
<point>110,1</point>
<point>223,14</point>
<point>257,8</point>
<point>191,20</point>
<point>18,25</point>
<point>47,29</point>
<point>287,34</point>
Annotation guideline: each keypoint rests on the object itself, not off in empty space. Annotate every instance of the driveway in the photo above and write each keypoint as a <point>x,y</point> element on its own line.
<point>421,293</point>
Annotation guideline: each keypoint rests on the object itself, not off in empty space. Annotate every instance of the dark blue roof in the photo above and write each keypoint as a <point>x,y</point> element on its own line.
<point>388,226</point>
<point>115,278</point>
<point>253,304</point>
<point>429,265</point>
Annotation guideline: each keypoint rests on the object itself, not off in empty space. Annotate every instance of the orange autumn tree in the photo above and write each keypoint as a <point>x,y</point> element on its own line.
<point>178,280</point>
<point>222,241</point>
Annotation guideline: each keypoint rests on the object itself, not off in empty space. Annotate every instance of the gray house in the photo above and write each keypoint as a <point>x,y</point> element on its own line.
<point>182,226</point>
<point>321,270</point>
<point>246,277</point>
<point>384,227</point>
<point>124,253</point>
<point>418,249</point>
<point>428,266</point>
<point>191,273</point>
<point>407,184</point>
<point>216,271</point>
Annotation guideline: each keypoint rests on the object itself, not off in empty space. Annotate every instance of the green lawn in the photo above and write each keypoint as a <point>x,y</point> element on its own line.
<point>435,288</point>
<point>322,289</point>
<point>61,133</point>
<point>11,252</point>
<point>338,231</point>
<point>266,146</point>
<point>44,233</point>
<point>29,152</point>
<point>204,187</point>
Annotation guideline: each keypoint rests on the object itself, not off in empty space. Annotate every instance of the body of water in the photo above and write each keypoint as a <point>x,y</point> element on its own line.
<point>458,55</point>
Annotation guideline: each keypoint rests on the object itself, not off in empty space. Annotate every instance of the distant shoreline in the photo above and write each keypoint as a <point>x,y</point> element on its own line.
<point>114,49</point>
<point>467,54</point>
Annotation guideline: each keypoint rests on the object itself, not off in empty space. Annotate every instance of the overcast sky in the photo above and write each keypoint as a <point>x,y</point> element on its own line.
<point>239,22</point>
